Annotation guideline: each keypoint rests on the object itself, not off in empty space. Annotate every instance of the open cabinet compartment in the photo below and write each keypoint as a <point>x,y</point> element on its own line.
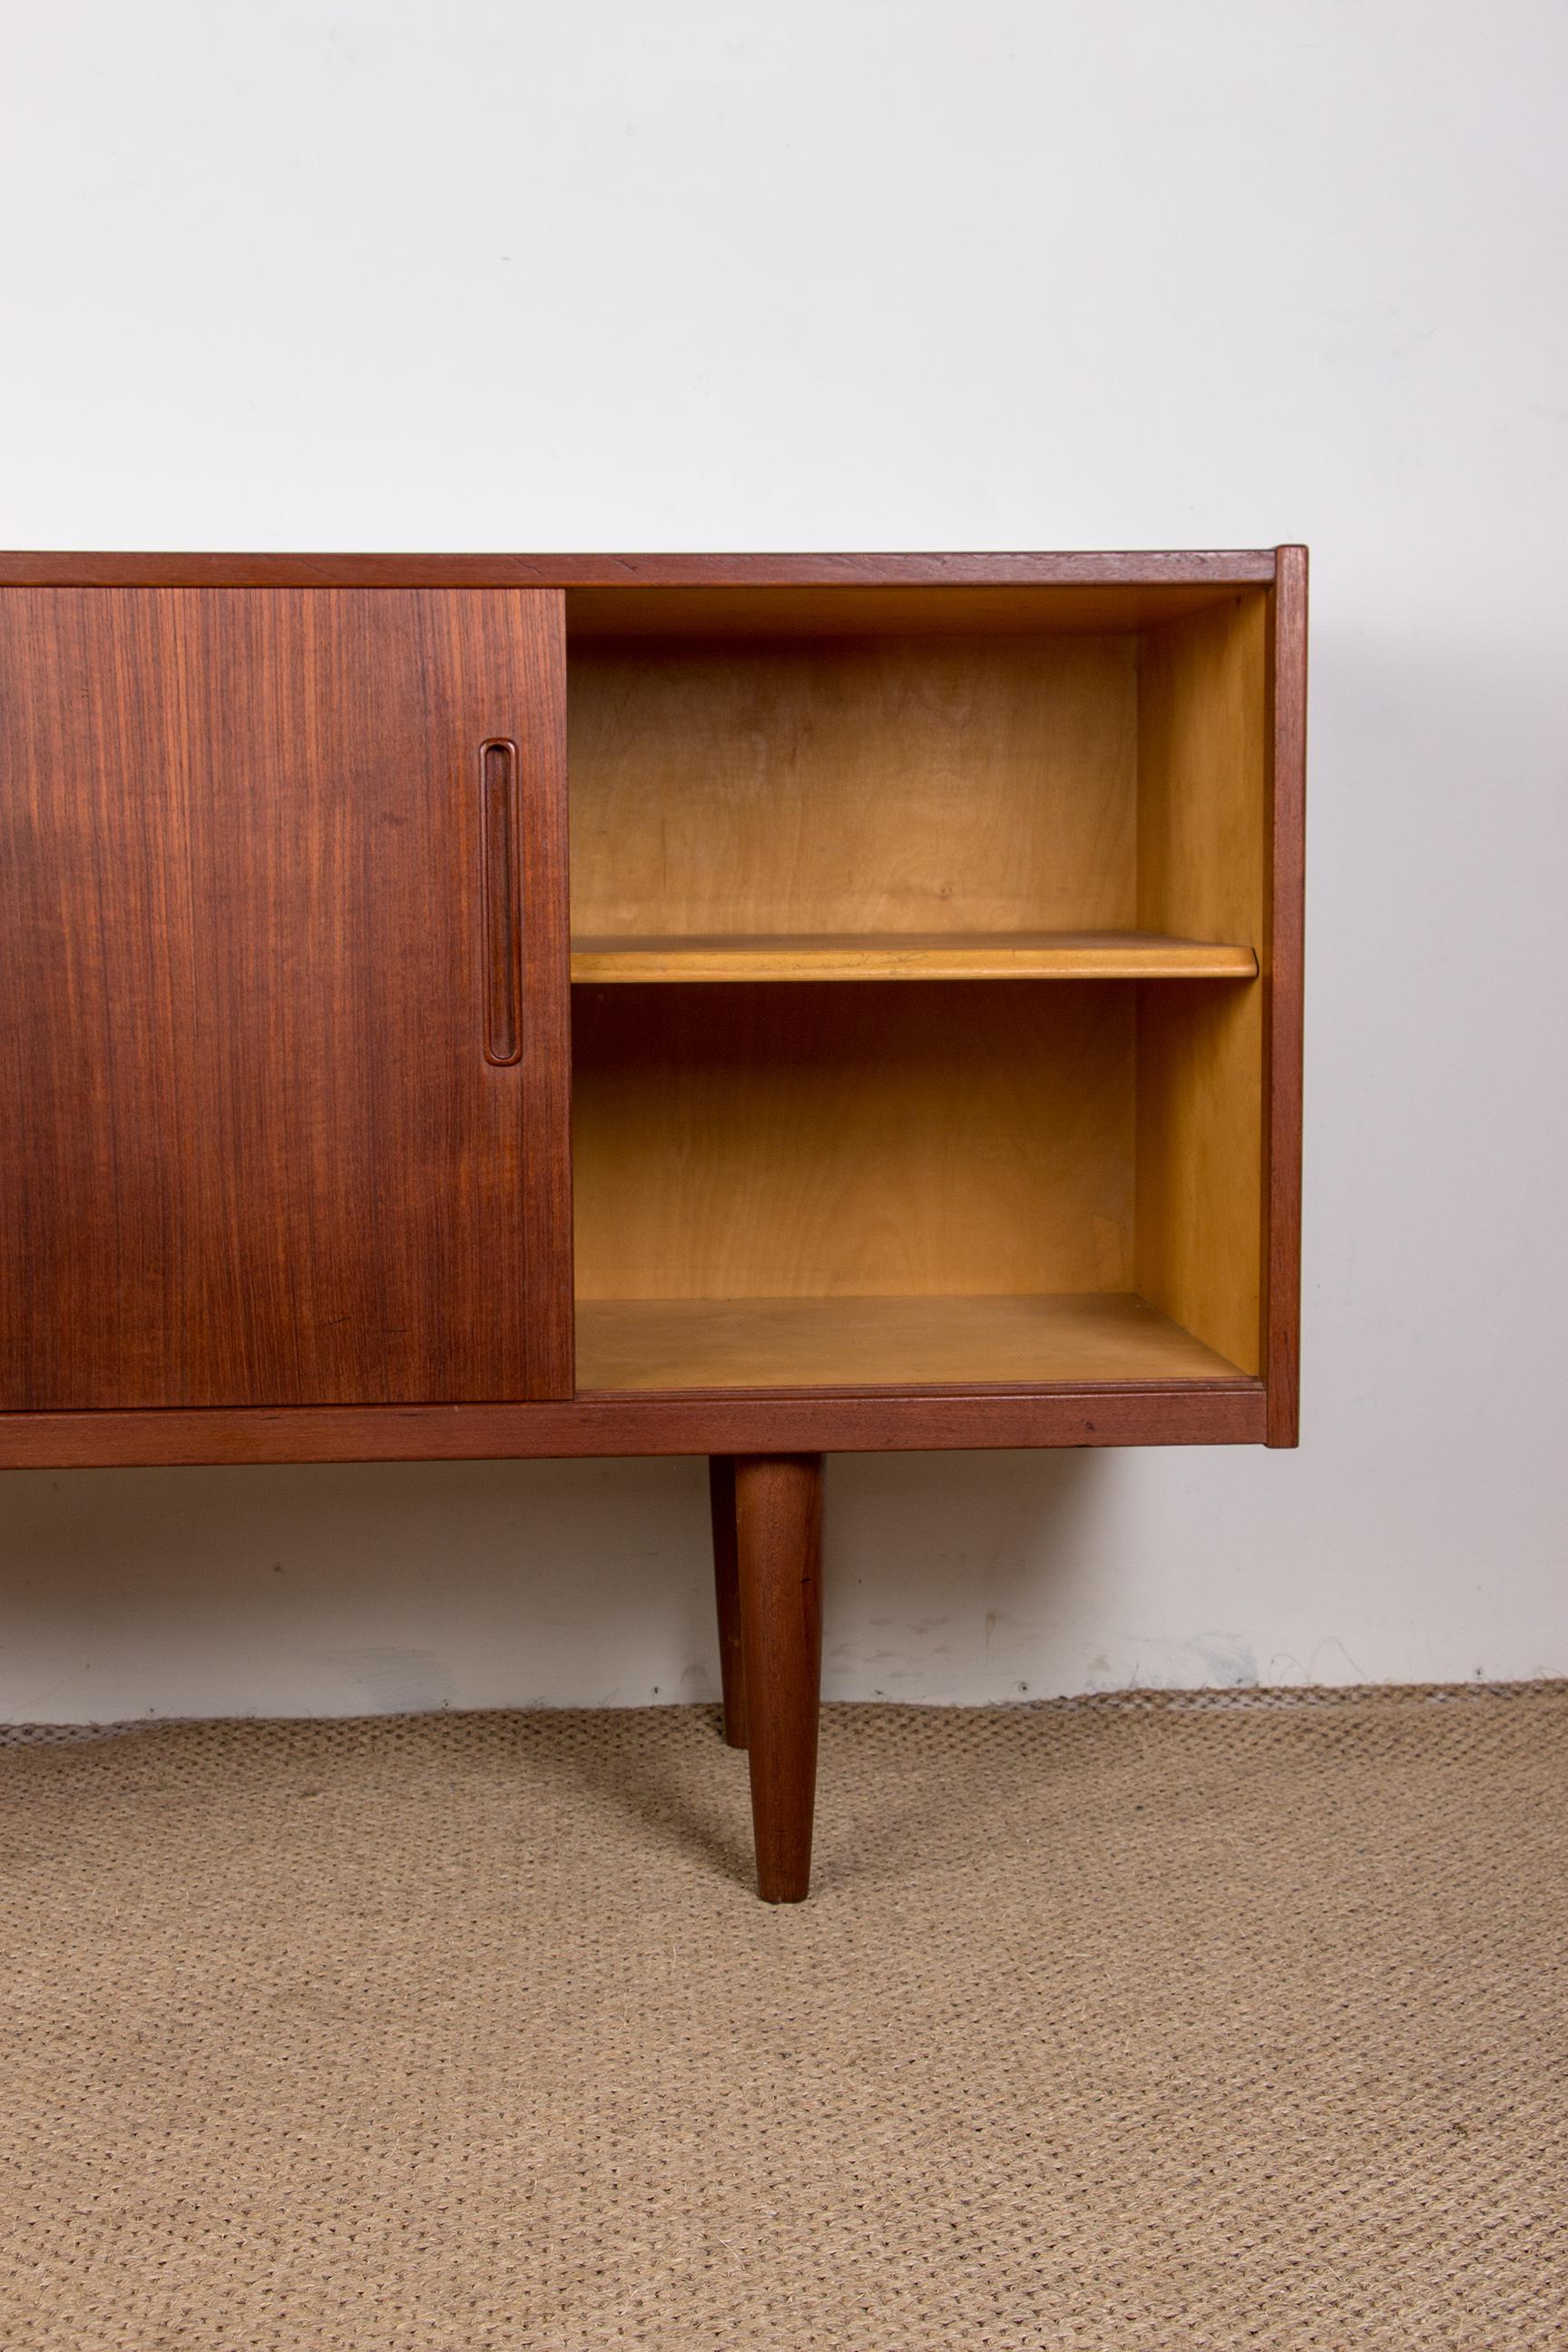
<point>968,887</point>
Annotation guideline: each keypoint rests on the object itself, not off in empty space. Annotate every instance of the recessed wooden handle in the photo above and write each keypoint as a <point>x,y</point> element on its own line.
<point>504,918</point>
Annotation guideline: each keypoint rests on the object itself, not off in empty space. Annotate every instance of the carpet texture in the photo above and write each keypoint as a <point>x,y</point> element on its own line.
<point>1214,2021</point>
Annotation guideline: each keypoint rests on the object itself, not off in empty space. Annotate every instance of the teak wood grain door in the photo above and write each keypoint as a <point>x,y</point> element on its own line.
<point>283,997</point>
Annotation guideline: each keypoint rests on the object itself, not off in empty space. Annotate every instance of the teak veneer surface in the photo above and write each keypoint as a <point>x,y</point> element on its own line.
<point>1283,990</point>
<point>802,1343</point>
<point>1127,570</point>
<point>958,955</point>
<point>1184,1413</point>
<point>253,1151</point>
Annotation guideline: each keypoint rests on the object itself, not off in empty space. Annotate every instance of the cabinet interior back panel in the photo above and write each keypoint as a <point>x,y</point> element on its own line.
<point>803,1141</point>
<point>853,784</point>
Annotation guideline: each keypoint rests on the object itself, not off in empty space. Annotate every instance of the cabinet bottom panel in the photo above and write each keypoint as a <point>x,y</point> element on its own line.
<point>633,1344</point>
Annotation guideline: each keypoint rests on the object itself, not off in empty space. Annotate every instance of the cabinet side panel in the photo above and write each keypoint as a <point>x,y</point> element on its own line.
<point>1202,863</point>
<point>256,1154</point>
<point>1283,977</point>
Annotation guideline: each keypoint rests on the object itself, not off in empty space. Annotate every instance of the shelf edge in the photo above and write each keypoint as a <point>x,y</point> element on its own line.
<point>602,965</point>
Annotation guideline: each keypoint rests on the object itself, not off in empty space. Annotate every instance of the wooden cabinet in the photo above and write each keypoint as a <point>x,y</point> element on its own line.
<point>932,1075</point>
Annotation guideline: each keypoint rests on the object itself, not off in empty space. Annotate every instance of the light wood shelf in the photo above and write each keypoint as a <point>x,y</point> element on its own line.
<point>958,955</point>
<point>791,1343</point>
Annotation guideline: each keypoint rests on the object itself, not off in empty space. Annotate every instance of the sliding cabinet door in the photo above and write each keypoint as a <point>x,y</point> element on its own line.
<point>283,997</point>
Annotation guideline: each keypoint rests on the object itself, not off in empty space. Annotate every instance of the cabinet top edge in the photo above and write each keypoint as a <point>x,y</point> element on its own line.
<point>1219,567</point>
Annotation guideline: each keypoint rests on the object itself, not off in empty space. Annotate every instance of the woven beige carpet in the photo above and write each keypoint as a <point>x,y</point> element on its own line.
<point>1187,2022</point>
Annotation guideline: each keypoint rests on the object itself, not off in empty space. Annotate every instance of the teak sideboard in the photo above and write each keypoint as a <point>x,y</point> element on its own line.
<point>899,1046</point>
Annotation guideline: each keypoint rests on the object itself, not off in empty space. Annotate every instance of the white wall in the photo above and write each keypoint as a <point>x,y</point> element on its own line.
<point>887,274</point>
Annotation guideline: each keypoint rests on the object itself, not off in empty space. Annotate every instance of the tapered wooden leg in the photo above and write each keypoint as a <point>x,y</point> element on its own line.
<point>727,1591</point>
<point>778,1541</point>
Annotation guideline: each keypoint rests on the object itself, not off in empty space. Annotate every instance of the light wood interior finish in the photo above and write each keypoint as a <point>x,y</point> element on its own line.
<point>953,803</point>
<point>959,955</point>
<point>792,1343</point>
<point>1202,867</point>
<point>801,1141</point>
<point>1075,607</point>
<point>937,784</point>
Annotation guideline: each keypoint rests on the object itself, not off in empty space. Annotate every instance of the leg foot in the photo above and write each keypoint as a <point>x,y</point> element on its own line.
<point>778,1524</point>
<point>727,1591</point>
